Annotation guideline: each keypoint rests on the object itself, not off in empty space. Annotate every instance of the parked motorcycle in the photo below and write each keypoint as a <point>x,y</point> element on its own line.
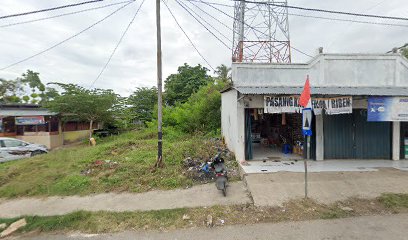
<point>221,178</point>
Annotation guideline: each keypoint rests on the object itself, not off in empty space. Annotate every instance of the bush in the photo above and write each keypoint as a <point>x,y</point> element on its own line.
<point>201,113</point>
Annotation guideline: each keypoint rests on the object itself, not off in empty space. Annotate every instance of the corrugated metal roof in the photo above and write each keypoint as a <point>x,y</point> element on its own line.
<point>25,112</point>
<point>356,91</point>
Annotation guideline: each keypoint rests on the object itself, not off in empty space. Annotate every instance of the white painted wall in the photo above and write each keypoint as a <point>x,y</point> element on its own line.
<point>396,140</point>
<point>319,138</point>
<point>229,120</point>
<point>350,70</point>
<point>240,147</point>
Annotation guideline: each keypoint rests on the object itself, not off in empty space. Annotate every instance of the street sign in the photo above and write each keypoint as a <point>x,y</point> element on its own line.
<point>307,121</point>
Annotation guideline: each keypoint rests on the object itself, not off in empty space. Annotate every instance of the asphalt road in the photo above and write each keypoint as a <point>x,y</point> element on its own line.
<point>390,227</point>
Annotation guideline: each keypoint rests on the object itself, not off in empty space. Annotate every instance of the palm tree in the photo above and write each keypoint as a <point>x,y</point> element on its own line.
<point>223,73</point>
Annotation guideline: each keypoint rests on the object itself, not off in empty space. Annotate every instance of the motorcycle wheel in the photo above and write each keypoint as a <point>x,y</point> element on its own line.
<point>224,190</point>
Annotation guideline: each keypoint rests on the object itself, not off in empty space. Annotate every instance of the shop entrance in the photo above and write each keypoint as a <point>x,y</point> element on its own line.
<point>404,140</point>
<point>273,136</point>
<point>351,136</point>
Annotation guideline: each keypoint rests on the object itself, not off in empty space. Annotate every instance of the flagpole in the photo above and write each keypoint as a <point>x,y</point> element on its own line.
<point>305,101</point>
<point>307,158</point>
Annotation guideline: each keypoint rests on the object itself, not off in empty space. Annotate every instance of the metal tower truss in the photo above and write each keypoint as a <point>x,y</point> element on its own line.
<point>261,32</point>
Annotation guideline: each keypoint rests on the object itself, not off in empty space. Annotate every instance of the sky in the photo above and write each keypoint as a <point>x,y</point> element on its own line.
<point>81,59</point>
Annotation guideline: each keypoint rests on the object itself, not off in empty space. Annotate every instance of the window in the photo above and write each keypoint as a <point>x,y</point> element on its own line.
<point>13,143</point>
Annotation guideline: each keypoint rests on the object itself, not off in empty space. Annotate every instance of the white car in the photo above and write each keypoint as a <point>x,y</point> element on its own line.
<point>13,149</point>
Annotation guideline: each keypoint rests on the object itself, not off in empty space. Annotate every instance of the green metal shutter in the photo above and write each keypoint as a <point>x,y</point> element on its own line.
<point>373,139</point>
<point>338,136</point>
<point>351,136</point>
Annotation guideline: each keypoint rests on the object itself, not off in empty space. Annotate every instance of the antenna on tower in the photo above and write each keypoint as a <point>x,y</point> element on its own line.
<point>261,32</point>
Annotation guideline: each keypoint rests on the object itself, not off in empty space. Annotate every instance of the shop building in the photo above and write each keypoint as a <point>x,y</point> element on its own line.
<point>31,123</point>
<point>360,108</point>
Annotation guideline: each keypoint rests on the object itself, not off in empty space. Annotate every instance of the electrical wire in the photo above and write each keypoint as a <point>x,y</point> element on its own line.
<point>117,45</point>
<point>189,39</point>
<point>350,20</point>
<point>203,25</point>
<point>319,17</point>
<point>65,40</point>
<point>324,10</point>
<point>209,24</point>
<point>211,16</point>
<point>50,9</point>
<point>65,14</point>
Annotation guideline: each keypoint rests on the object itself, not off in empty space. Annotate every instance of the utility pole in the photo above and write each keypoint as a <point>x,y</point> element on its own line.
<point>159,162</point>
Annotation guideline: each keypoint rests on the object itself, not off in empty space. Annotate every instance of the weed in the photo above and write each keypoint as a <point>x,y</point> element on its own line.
<point>72,170</point>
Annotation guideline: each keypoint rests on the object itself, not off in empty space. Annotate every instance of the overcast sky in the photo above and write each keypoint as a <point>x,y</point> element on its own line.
<point>134,65</point>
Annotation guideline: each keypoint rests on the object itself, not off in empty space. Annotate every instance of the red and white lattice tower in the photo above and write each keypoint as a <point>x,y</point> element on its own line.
<point>261,32</point>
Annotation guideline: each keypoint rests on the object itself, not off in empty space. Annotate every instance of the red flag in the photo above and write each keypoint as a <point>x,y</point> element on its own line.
<point>305,96</point>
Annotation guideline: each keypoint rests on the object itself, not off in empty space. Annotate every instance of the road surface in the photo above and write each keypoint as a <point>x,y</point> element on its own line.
<point>390,227</point>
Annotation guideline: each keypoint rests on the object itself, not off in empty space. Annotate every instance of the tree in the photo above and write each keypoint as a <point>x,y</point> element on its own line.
<point>223,72</point>
<point>201,113</point>
<point>404,52</point>
<point>142,103</point>
<point>28,89</point>
<point>78,103</point>
<point>8,91</point>
<point>179,87</point>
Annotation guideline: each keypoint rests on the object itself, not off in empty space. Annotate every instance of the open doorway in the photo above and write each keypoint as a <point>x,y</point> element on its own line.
<point>273,136</point>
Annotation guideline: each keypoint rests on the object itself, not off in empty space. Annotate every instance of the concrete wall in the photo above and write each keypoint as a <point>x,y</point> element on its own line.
<point>328,70</point>
<point>229,119</point>
<point>51,141</point>
<point>233,123</point>
<point>74,136</point>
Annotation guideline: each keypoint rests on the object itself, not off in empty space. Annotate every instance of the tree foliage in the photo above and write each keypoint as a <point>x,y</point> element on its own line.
<point>404,52</point>
<point>78,103</point>
<point>142,103</point>
<point>179,87</point>
<point>201,113</point>
<point>26,89</point>
<point>223,73</point>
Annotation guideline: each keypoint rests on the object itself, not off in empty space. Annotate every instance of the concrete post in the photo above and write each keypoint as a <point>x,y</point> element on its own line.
<point>240,144</point>
<point>319,138</point>
<point>396,140</point>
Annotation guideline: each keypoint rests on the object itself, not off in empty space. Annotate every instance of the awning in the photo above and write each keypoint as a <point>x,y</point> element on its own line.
<point>25,112</point>
<point>350,91</point>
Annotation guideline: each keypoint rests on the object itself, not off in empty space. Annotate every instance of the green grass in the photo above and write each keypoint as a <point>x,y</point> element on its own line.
<point>98,222</point>
<point>300,210</point>
<point>59,172</point>
<point>394,201</point>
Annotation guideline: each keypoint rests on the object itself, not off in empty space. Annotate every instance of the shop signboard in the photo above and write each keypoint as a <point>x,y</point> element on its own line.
<point>386,109</point>
<point>290,104</point>
<point>33,120</point>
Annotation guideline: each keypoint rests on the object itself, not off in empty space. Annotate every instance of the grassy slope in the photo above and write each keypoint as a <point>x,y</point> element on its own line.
<point>59,172</point>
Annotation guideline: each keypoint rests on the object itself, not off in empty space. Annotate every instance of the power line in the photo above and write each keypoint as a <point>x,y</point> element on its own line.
<point>318,17</point>
<point>216,19</point>
<point>67,39</point>
<point>203,25</point>
<point>350,20</point>
<point>117,45</point>
<point>324,10</point>
<point>189,39</point>
<point>50,9</point>
<point>226,14</point>
<point>209,24</point>
<point>213,3</point>
<point>65,14</point>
